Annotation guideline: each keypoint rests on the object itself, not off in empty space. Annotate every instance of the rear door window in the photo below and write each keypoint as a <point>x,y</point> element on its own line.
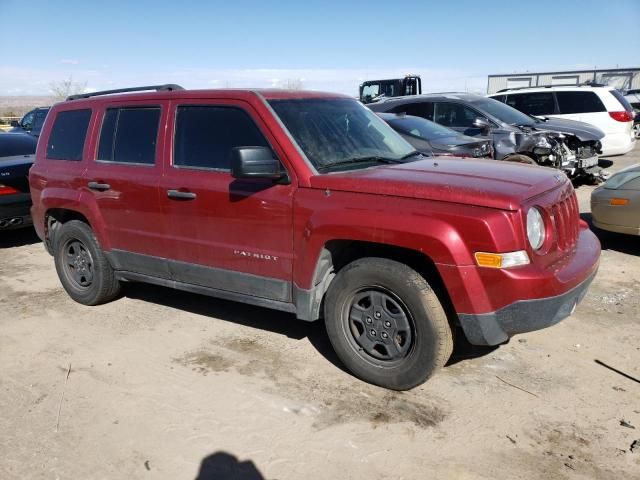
<point>205,135</point>
<point>579,102</point>
<point>129,135</point>
<point>452,114</point>
<point>68,134</point>
<point>537,103</point>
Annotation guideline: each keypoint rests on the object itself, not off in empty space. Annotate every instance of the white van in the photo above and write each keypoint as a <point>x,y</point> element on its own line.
<point>601,106</point>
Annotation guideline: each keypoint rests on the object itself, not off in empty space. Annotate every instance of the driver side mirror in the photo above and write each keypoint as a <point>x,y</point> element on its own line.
<point>482,123</point>
<point>14,123</point>
<point>255,162</point>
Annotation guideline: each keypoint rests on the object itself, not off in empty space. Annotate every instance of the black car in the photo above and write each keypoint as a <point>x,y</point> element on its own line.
<point>31,122</point>
<point>16,157</point>
<point>564,144</point>
<point>432,139</point>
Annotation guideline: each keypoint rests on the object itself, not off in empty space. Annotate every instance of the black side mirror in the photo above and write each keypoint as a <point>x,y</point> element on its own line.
<point>482,123</point>
<point>255,162</point>
<point>14,123</point>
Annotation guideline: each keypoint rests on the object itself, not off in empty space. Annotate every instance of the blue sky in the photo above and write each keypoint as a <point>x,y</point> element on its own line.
<point>328,45</point>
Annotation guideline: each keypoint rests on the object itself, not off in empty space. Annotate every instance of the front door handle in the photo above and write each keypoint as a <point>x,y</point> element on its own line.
<point>180,195</point>
<point>101,187</point>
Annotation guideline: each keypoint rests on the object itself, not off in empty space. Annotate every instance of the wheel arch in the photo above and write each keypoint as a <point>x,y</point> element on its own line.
<point>56,217</point>
<point>337,253</point>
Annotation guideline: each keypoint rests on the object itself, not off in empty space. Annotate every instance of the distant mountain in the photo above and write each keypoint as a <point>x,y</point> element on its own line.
<point>20,104</point>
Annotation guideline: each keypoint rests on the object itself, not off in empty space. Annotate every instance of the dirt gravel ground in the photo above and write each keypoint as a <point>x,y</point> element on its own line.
<point>167,385</point>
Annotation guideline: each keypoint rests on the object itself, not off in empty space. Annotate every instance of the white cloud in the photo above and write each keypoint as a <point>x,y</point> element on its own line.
<point>69,61</point>
<point>36,81</point>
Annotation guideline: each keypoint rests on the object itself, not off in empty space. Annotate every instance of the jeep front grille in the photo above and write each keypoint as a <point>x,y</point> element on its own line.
<point>566,217</point>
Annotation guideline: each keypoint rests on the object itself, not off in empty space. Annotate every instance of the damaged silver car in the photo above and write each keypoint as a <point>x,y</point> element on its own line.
<point>567,145</point>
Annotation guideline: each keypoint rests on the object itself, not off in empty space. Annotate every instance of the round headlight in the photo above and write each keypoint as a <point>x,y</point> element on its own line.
<point>535,228</point>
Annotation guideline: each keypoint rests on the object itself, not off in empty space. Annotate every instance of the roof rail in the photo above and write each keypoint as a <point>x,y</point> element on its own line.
<point>158,88</point>
<point>586,84</point>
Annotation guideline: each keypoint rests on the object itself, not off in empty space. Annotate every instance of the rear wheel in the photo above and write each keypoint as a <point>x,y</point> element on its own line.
<point>83,269</point>
<point>386,323</point>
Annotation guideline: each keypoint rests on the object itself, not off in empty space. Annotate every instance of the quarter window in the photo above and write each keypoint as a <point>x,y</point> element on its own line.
<point>68,134</point>
<point>205,135</point>
<point>579,102</point>
<point>129,135</point>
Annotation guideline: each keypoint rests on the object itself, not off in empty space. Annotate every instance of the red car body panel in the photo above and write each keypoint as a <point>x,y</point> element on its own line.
<point>445,209</point>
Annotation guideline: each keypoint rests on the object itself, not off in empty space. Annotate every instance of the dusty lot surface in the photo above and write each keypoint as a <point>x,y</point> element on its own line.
<point>168,385</point>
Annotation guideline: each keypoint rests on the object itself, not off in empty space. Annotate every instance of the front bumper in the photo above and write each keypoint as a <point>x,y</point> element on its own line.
<point>522,316</point>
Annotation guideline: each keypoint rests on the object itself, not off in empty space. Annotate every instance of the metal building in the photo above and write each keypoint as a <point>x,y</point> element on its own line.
<point>620,78</point>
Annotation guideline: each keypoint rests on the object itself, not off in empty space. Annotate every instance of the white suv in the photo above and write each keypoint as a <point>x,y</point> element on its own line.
<point>603,107</point>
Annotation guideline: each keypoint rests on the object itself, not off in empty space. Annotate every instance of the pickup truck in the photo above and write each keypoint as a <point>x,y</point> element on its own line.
<point>17,152</point>
<point>308,203</point>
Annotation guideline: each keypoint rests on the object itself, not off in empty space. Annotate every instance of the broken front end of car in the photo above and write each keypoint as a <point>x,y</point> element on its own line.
<point>576,157</point>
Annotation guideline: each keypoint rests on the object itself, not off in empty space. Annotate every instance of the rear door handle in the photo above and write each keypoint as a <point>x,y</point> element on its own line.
<point>101,187</point>
<point>180,195</point>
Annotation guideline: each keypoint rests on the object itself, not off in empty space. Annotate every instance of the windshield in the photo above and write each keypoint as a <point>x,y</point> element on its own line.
<point>421,128</point>
<point>341,130</point>
<point>503,112</point>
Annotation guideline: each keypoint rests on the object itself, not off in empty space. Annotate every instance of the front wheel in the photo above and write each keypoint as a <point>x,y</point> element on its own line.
<point>386,323</point>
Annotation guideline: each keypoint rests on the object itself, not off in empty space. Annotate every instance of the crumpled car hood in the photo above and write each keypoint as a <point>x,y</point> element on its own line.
<point>584,131</point>
<point>487,183</point>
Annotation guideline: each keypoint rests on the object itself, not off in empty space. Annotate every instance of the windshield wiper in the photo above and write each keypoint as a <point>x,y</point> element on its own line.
<point>354,161</point>
<point>411,154</point>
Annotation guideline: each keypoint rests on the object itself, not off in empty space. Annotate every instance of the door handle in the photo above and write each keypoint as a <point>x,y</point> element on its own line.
<point>180,195</point>
<point>101,187</point>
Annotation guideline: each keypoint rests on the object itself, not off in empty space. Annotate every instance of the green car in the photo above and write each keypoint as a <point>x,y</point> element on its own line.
<point>615,205</point>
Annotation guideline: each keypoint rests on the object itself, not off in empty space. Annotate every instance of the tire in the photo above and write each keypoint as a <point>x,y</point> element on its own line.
<point>521,159</point>
<point>418,337</point>
<point>83,269</point>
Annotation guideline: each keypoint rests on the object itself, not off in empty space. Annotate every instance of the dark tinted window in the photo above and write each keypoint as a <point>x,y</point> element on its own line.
<point>39,120</point>
<point>68,133</point>
<point>538,103</point>
<point>107,134</point>
<point>421,109</point>
<point>455,115</point>
<point>579,102</point>
<point>129,135</point>
<point>205,136</point>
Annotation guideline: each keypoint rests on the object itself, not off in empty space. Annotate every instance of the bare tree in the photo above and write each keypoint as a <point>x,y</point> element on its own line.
<point>293,84</point>
<point>63,88</point>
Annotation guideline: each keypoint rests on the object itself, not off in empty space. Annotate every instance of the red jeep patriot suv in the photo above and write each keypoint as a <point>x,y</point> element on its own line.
<point>307,203</point>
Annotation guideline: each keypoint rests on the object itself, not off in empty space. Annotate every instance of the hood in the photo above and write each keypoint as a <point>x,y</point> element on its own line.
<point>486,183</point>
<point>583,131</point>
